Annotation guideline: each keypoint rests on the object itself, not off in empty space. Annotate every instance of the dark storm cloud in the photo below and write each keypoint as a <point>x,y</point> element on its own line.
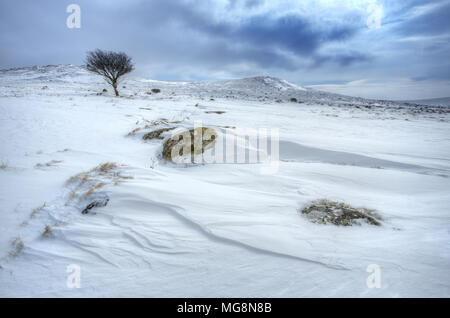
<point>257,39</point>
<point>289,32</point>
<point>260,39</point>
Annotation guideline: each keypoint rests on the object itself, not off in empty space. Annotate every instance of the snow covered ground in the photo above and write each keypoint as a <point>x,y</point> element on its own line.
<point>216,229</point>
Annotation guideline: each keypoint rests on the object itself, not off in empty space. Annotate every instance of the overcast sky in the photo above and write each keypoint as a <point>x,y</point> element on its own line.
<point>370,48</point>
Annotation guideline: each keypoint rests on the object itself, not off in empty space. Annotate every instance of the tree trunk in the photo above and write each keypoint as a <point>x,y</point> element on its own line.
<point>115,88</point>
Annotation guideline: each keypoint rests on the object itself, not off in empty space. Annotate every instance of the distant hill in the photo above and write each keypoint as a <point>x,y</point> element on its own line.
<point>443,101</point>
<point>258,88</point>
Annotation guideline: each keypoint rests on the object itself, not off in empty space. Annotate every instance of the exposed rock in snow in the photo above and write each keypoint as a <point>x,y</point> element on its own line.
<point>99,202</point>
<point>185,145</point>
<point>339,213</point>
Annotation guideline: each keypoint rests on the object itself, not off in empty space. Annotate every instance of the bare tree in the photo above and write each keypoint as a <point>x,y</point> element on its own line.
<point>110,65</point>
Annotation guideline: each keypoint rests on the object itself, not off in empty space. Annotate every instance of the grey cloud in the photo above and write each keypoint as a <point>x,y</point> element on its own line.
<point>193,39</point>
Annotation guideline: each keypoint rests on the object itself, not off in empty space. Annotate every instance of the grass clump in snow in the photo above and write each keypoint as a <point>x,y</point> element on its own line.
<point>157,134</point>
<point>338,213</point>
<point>47,231</point>
<point>87,183</point>
<point>86,186</point>
<point>102,169</point>
<point>107,170</point>
<point>134,131</point>
<point>48,164</point>
<point>37,210</point>
<point>18,247</point>
<point>190,142</point>
<point>3,165</point>
<point>93,188</point>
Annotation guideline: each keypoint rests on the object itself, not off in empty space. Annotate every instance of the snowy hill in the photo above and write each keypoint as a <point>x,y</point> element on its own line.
<point>254,88</point>
<point>248,88</point>
<point>444,101</point>
<point>264,89</point>
<point>42,74</point>
<point>80,188</point>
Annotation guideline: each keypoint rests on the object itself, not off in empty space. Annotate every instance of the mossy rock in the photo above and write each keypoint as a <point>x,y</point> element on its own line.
<point>341,214</point>
<point>188,144</point>
<point>156,134</point>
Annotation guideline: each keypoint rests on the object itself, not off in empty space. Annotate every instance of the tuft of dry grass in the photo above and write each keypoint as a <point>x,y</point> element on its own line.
<point>90,181</point>
<point>18,247</point>
<point>37,210</point>
<point>134,131</point>
<point>76,176</point>
<point>93,188</point>
<point>105,168</point>
<point>157,134</point>
<point>47,231</point>
<point>48,164</point>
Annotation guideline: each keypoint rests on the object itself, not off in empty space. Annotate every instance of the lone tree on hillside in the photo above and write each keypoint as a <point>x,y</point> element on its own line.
<point>110,65</point>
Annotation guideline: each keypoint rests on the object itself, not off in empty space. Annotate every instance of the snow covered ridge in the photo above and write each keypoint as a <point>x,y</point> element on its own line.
<point>49,73</point>
<point>259,88</point>
<point>248,88</point>
<point>85,193</point>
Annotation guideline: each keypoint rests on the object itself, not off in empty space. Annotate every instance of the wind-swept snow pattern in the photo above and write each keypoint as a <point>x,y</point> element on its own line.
<point>155,228</point>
